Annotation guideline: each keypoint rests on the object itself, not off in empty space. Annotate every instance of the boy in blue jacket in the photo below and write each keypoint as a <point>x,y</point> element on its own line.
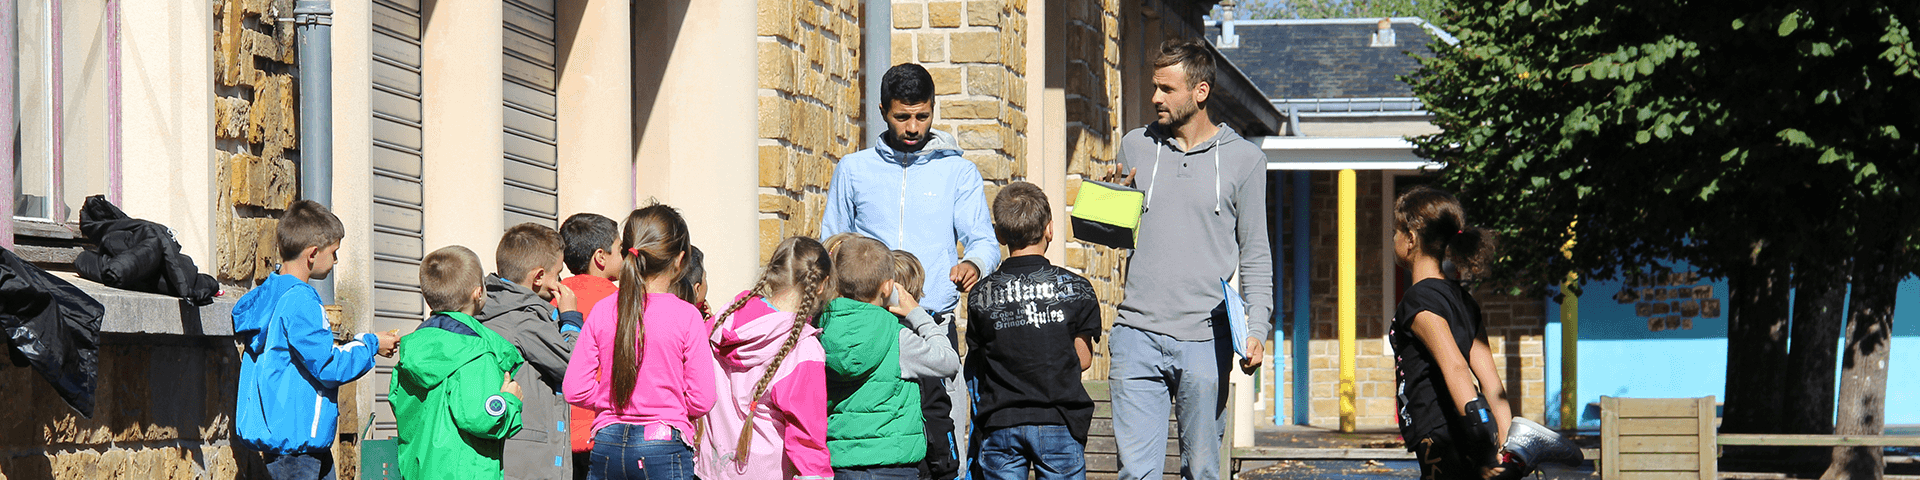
<point>291,370</point>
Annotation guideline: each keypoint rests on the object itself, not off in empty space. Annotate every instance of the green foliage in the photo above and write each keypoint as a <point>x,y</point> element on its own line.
<point>1430,10</point>
<point>1676,129</point>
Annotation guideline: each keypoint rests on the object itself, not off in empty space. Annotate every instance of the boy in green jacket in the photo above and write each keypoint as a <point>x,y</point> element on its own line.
<point>874,424</point>
<point>453,392</point>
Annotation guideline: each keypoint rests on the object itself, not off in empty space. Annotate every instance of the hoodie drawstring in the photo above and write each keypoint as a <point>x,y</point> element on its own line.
<point>1156,179</point>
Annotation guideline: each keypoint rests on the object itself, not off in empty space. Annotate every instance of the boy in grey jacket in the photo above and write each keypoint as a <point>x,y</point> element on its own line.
<point>527,266</point>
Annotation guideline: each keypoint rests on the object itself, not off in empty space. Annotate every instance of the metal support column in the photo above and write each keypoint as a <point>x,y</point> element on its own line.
<point>1349,295</point>
<point>1302,298</point>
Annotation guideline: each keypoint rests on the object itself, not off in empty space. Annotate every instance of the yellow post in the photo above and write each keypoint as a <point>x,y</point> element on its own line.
<point>1349,260</point>
<point>1569,340</point>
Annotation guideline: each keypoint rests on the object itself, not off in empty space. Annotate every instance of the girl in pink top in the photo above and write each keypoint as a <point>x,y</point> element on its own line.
<point>650,348</point>
<point>771,375</point>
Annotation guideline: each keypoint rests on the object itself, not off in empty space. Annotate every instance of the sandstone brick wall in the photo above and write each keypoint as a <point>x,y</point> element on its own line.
<point>163,410</point>
<point>976,51</point>
<point>810,91</point>
<point>255,126</point>
<point>1093,94</point>
<point>1515,325</point>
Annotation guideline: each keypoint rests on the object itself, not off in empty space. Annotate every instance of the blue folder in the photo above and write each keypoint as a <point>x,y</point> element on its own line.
<point>1236,317</point>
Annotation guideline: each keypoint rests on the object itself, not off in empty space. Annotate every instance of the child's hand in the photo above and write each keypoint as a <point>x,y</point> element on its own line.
<point>563,298</point>
<point>907,303</point>
<point>389,343</point>
<point>511,386</point>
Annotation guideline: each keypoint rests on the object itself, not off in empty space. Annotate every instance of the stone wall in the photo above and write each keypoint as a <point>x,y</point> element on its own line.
<point>255,129</point>
<point>809,115</point>
<point>1515,325</point>
<point>163,410</point>
<point>1091,30</point>
<point>976,51</point>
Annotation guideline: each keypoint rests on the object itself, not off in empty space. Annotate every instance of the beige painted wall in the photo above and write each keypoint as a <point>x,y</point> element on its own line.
<point>596,142</point>
<point>463,168</point>
<point>353,167</point>
<point>695,104</point>
<point>166,149</point>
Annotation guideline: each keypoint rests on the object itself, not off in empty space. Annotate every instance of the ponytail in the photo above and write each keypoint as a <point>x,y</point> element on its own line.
<point>1471,250</point>
<point>652,241</point>
<point>1439,224</point>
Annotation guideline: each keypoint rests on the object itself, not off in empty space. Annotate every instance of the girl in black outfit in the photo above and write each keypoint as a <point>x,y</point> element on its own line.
<point>1453,409</point>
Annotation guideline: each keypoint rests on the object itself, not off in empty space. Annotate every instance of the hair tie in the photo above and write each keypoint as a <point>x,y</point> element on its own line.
<point>1460,231</point>
<point>633,251</point>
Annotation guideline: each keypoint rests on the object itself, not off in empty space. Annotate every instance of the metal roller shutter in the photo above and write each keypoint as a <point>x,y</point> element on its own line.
<point>531,133</point>
<point>397,214</point>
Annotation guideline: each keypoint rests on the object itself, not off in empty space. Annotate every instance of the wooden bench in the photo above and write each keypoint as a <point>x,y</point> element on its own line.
<point>1674,438</point>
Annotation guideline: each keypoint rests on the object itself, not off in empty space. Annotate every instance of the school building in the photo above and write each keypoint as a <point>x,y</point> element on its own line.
<point>425,123</point>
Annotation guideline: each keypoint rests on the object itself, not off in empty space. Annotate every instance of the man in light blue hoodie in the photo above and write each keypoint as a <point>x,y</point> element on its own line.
<point>914,192</point>
<point>291,371</point>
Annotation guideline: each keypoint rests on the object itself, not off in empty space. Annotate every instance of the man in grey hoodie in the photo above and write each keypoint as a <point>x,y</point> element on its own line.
<point>1204,220</point>
<point>527,268</point>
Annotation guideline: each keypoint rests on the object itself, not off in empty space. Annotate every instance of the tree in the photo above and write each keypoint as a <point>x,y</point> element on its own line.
<point>1769,143</point>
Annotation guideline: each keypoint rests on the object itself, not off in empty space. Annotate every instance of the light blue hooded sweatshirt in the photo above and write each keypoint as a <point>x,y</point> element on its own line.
<point>922,202</point>
<point>291,371</point>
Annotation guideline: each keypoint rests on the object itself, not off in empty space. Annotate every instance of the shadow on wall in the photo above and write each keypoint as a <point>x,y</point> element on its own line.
<point>656,31</point>
<point>164,410</point>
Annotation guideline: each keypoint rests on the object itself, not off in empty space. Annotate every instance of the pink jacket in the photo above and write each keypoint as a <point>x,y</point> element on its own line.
<point>675,380</point>
<point>790,426</point>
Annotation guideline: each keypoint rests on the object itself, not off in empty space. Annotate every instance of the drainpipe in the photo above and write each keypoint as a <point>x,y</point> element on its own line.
<point>9,129</point>
<point>313,20</point>
<point>878,57</point>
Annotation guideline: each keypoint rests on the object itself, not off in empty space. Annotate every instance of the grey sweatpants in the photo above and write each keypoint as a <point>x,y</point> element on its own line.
<point>1154,376</point>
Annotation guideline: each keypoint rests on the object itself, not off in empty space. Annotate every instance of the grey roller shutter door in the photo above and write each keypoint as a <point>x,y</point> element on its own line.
<point>531,133</point>
<point>396,186</point>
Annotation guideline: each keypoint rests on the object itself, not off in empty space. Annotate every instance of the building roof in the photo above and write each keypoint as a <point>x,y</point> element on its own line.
<point>1327,59</point>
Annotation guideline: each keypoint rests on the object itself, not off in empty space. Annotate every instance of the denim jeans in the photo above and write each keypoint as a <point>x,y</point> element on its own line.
<point>889,472</point>
<point>316,464</point>
<point>1149,369</point>
<point>620,451</point>
<point>1048,450</point>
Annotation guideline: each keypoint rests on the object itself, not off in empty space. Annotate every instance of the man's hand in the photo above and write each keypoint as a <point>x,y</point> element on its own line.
<point>1113,176</point>
<point>907,303</point>
<point>564,299</point>
<point>1256,354</point>
<point>389,343</point>
<point>511,386</point>
<point>964,275</point>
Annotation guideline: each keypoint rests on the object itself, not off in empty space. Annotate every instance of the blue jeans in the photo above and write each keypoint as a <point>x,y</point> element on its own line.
<point>620,451</point>
<point>1148,370</point>
<point>889,472</point>
<point>1048,450</point>
<point>316,464</point>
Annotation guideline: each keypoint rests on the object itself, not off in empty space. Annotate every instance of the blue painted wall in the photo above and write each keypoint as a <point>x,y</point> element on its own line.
<point>1628,349</point>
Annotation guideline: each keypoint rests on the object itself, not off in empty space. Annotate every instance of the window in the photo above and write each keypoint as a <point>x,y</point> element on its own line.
<point>64,73</point>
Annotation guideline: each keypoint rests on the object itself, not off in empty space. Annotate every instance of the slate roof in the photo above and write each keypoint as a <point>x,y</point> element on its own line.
<point>1300,59</point>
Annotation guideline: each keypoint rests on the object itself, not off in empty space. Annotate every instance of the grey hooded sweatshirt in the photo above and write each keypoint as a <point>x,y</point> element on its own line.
<point>541,449</point>
<point>1205,219</point>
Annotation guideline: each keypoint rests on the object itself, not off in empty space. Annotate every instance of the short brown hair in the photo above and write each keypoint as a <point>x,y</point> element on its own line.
<point>1020,215</point>
<point>448,277</point>
<point>525,247</point>
<point>306,224</point>
<point>860,266</point>
<point>907,272</point>
<point>1193,54</point>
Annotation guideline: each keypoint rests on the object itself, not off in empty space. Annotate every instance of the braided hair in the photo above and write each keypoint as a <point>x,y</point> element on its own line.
<point>799,264</point>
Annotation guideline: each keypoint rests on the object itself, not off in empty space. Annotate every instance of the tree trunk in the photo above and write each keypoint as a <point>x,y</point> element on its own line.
<point>1820,297</point>
<point>1756,356</point>
<point>1863,377</point>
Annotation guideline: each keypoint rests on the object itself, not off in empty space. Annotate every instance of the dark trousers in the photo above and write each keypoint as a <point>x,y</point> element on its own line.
<point>942,461</point>
<point>310,465</point>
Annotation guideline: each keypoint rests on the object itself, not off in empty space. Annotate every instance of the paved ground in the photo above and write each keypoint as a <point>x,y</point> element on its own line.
<point>1294,436</point>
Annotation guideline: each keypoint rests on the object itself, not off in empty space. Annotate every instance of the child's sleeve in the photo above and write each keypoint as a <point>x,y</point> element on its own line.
<point>582,384</point>
<point>925,351</point>
<point>479,407</point>
<point>698,372</point>
<point>312,345</point>
<point>802,398</point>
<point>547,350</point>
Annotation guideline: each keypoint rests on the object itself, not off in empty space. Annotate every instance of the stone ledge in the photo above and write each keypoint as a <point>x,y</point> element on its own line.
<point>129,311</point>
